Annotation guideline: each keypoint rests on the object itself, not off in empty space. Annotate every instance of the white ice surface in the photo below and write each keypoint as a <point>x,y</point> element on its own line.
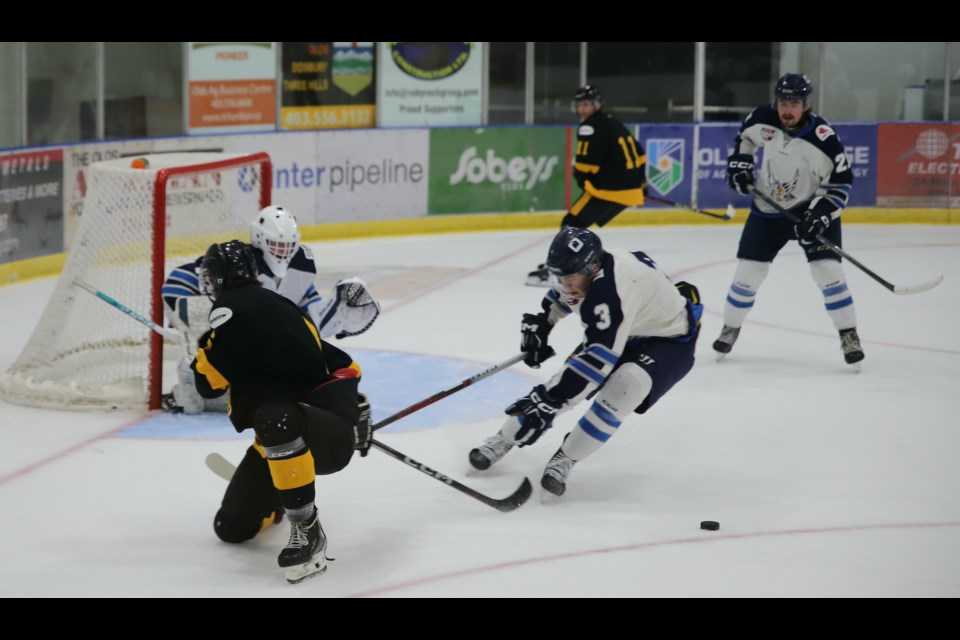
<point>825,482</point>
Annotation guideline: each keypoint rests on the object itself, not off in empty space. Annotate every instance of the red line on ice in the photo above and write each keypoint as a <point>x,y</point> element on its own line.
<point>705,538</point>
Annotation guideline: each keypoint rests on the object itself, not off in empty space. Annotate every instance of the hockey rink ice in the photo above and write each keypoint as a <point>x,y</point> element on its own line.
<point>826,482</point>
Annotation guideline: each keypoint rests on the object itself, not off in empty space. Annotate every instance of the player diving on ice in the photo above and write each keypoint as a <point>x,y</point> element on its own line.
<point>285,267</point>
<point>640,335</point>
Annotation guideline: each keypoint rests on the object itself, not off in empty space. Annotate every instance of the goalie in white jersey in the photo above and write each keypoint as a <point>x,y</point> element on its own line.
<point>285,267</point>
<point>806,171</point>
<point>640,335</point>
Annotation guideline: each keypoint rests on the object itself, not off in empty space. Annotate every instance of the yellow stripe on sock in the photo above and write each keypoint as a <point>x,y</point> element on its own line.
<point>292,473</point>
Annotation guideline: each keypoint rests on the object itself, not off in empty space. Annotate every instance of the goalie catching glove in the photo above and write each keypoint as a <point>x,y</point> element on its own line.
<point>350,311</point>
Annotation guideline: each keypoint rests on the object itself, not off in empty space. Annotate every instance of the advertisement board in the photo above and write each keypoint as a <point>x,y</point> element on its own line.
<point>669,151</point>
<point>429,84</point>
<point>231,86</point>
<point>327,85</point>
<point>492,170</point>
<point>919,165</point>
<point>31,213</point>
<point>323,176</point>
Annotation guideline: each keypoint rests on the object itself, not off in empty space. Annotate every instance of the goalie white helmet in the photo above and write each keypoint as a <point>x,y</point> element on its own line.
<point>274,231</point>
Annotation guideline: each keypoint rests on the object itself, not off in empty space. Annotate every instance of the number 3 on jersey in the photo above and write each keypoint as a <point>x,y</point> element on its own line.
<point>602,311</point>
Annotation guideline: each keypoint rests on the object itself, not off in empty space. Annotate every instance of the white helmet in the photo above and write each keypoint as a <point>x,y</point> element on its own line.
<point>274,231</point>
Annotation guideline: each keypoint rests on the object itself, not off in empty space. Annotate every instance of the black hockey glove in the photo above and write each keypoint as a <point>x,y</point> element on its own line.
<point>534,332</point>
<point>363,431</point>
<point>536,412</point>
<point>740,172</point>
<point>812,225</point>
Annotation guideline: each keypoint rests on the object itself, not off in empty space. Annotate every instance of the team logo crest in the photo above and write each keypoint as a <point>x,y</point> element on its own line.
<point>352,68</point>
<point>767,134</point>
<point>665,164</point>
<point>429,60</point>
<point>246,179</point>
<point>784,191</point>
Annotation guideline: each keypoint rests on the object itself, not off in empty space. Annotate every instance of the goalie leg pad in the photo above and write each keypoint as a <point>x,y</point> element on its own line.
<point>185,392</point>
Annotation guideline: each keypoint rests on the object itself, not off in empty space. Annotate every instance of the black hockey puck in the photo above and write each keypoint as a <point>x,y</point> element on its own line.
<point>709,525</point>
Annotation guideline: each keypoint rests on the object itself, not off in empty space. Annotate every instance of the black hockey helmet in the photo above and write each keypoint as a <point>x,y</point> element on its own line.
<point>587,92</point>
<point>574,250</point>
<point>793,85</point>
<point>227,266</point>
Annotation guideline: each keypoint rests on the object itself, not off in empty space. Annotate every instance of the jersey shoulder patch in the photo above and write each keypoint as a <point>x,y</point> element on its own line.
<point>302,260</point>
<point>824,131</point>
<point>585,130</point>
<point>219,316</point>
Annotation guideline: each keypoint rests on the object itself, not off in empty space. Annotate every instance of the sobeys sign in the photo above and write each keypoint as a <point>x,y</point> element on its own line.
<point>494,170</point>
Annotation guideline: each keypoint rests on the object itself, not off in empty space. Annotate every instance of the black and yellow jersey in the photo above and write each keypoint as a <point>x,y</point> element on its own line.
<point>262,347</point>
<point>609,163</point>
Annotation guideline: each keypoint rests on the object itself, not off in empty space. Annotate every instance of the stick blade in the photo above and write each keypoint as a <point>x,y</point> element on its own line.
<point>918,288</point>
<point>515,499</point>
<point>220,466</point>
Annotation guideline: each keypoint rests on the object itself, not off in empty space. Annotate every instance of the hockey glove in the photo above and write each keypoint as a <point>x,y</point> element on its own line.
<point>812,225</point>
<point>534,332</point>
<point>536,412</point>
<point>360,307</point>
<point>740,172</point>
<point>363,430</point>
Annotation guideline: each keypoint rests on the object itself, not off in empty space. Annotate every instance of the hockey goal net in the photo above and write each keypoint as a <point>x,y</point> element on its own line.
<point>137,224</point>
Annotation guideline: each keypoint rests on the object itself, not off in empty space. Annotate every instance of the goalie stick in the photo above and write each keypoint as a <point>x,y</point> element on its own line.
<point>898,289</point>
<point>116,304</point>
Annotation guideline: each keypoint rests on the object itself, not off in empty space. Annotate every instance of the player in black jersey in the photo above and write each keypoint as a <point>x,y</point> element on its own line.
<point>298,393</point>
<point>609,165</point>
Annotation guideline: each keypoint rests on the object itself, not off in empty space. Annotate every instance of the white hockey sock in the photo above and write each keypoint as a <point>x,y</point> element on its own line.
<point>626,389</point>
<point>743,292</point>
<point>509,429</point>
<point>828,274</point>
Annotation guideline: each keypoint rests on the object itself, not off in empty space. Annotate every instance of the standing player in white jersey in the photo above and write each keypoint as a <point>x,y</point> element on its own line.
<point>285,267</point>
<point>640,335</point>
<point>806,171</point>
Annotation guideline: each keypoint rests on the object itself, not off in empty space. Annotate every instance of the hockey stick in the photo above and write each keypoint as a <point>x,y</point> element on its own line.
<point>223,468</point>
<point>443,394</point>
<point>509,503</point>
<point>727,215</point>
<point>116,304</point>
<point>917,288</point>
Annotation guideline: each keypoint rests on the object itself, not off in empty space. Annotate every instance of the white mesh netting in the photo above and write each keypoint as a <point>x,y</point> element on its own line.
<point>84,353</point>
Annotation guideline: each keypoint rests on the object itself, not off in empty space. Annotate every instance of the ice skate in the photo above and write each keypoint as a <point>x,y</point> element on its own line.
<point>493,448</point>
<point>305,553</point>
<point>723,344</point>
<point>539,277</point>
<point>555,474</point>
<point>852,351</point>
<point>169,404</point>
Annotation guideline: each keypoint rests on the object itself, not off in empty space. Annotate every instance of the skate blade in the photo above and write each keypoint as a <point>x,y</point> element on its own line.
<point>720,356</point>
<point>537,282</point>
<point>300,572</point>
